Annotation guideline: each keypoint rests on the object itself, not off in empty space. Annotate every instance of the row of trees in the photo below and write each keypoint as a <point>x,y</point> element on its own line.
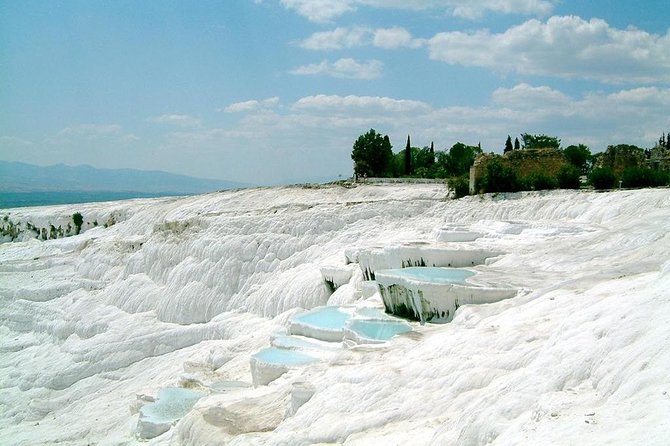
<point>373,157</point>
<point>531,141</point>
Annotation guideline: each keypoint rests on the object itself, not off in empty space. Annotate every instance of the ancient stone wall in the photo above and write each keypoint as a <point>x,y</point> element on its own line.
<point>619,158</point>
<point>659,158</point>
<point>524,161</point>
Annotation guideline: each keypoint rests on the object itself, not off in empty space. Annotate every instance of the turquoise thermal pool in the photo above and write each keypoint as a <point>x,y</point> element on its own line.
<point>279,356</point>
<point>330,318</point>
<point>172,404</point>
<point>432,274</point>
<point>381,330</point>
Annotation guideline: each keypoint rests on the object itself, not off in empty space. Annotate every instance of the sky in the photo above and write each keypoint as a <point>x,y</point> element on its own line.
<point>277,91</point>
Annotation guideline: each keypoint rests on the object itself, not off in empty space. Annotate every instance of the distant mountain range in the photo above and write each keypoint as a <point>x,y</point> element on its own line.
<point>22,177</point>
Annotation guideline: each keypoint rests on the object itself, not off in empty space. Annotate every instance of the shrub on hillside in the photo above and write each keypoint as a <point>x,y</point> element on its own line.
<point>643,177</point>
<point>568,177</point>
<point>602,178</point>
<point>78,220</point>
<point>539,180</point>
<point>500,178</point>
<point>460,185</point>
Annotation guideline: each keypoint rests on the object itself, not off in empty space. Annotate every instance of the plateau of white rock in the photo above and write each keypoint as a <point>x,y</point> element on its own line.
<point>222,295</point>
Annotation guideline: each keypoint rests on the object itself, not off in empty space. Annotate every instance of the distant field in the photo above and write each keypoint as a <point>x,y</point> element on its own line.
<point>25,199</point>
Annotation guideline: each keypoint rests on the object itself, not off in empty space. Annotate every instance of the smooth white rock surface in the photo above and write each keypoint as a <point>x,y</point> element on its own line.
<point>91,321</point>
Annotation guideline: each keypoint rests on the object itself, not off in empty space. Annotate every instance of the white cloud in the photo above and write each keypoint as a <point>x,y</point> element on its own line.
<point>353,104</point>
<point>341,38</point>
<point>567,47</point>
<point>181,120</point>
<point>473,9</point>
<point>328,10</point>
<point>337,39</point>
<point>247,106</point>
<point>242,106</point>
<point>523,94</point>
<point>320,10</point>
<point>627,116</point>
<point>395,37</point>
<point>343,68</point>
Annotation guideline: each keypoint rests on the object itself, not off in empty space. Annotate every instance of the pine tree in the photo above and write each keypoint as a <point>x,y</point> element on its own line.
<point>508,144</point>
<point>517,146</point>
<point>408,158</point>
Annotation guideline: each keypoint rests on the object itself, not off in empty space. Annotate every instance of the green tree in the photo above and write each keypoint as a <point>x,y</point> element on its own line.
<point>508,144</point>
<point>540,180</point>
<point>460,158</point>
<point>78,220</point>
<point>568,177</point>
<point>422,158</point>
<point>578,156</point>
<point>602,178</point>
<point>540,141</point>
<point>408,158</point>
<point>517,145</point>
<point>440,166</point>
<point>372,154</point>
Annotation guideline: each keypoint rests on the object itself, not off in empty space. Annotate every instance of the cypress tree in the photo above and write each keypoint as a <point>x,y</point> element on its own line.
<point>517,146</point>
<point>508,144</point>
<point>408,158</point>
<point>432,153</point>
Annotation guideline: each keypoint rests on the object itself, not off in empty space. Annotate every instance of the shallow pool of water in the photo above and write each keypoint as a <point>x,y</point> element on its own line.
<point>293,342</point>
<point>273,355</point>
<point>372,313</point>
<point>378,330</point>
<point>172,404</point>
<point>330,318</point>
<point>432,274</point>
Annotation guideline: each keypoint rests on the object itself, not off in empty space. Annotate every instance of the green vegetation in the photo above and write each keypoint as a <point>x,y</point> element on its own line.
<point>372,155</point>
<point>460,185</point>
<point>78,220</point>
<point>540,141</point>
<point>408,158</point>
<point>508,144</point>
<point>579,156</point>
<point>500,178</point>
<point>460,158</point>
<point>540,180</point>
<point>602,178</point>
<point>536,163</point>
<point>643,177</point>
<point>568,177</point>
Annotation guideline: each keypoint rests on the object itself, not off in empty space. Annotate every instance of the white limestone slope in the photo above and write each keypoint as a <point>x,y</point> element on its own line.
<point>184,291</point>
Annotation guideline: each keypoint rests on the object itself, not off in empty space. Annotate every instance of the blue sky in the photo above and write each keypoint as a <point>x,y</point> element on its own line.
<point>272,91</point>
